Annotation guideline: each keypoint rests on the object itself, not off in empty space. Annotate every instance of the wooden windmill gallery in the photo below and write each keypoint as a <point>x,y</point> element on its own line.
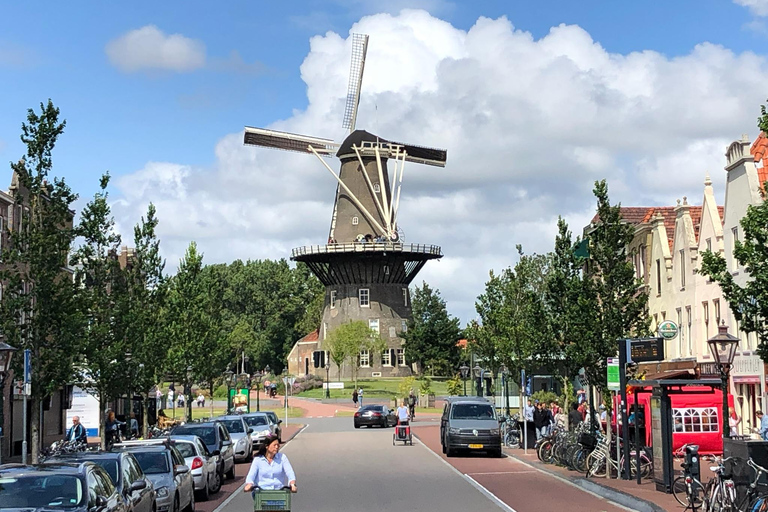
<point>366,267</point>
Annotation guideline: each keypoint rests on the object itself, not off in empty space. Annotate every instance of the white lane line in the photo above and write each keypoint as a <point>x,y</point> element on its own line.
<point>488,494</point>
<point>565,480</point>
<point>242,486</point>
<point>504,472</point>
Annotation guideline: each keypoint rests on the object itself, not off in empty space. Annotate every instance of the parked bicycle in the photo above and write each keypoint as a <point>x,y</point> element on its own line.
<point>62,447</point>
<point>510,431</point>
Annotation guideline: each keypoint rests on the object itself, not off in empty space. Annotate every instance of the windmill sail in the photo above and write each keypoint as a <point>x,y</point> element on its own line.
<point>356,69</point>
<point>288,141</point>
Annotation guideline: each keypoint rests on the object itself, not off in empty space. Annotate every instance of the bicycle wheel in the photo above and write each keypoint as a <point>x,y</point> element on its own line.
<point>758,504</point>
<point>596,462</point>
<point>545,451</point>
<point>684,495</point>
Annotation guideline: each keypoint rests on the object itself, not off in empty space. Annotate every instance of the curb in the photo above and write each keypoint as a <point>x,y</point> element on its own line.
<point>622,498</point>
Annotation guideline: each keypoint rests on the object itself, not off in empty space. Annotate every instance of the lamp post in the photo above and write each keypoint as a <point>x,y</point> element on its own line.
<point>228,379</point>
<point>478,373</point>
<point>258,376</point>
<point>327,379</point>
<point>188,389</point>
<point>723,348</point>
<point>464,369</point>
<point>6,354</point>
<point>244,377</point>
<point>504,380</point>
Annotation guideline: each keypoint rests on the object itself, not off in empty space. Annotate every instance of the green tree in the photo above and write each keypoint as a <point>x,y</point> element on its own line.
<point>432,333</point>
<point>101,296</point>
<point>38,311</point>
<point>348,340</point>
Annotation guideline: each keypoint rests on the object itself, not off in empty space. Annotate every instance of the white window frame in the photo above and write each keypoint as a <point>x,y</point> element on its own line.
<point>658,277</point>
<point>405,297</point>
<point>376,188</point>
<point>365,358</point>
<point>709,244</point>
<point>716,304</point>
<point>681,339</point>
<point>682,268</point>
<point>403,325</point>
<point>392,332</point>
<point>689,318</point>
<point>333,299</point>
<point>400,357</point>
<point>374,325</point>
<point>386,358</point>
<point>734,239</point>
<point>364,297</point>
<point>697,419</point>
<point>355,220</point>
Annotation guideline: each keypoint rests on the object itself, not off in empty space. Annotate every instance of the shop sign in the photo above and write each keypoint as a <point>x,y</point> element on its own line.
<point>747,365</point>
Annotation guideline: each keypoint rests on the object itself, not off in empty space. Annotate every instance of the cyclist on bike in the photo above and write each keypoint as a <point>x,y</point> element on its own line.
<point>412,404</point>
<point>402,414</point>
<point>270,470</point>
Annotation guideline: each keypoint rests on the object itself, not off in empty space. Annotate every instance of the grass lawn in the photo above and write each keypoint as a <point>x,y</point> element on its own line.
<point>376,388</point>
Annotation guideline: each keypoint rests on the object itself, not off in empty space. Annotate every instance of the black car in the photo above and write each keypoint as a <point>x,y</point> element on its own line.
<point>126,473</point>
<point>216,439</point>
<point>77,487</point>
<point>375,415</point>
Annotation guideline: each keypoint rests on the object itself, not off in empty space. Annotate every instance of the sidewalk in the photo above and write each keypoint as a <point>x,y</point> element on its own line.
<point>643,497</point>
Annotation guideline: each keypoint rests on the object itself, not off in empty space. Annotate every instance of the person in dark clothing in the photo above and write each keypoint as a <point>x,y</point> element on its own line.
<point>354,396</point>
<point>574,417</point>
<point>76,432</point>
<point>540,421</point>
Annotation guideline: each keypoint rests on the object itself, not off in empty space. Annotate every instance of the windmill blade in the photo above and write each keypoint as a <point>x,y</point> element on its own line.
<point>288,141</point>
<point>424,155</point>
<point>356,68</point>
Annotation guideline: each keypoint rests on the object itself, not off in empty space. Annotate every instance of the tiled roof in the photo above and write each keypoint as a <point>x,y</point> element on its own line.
<point>313,336</point>
<point>759,150</point>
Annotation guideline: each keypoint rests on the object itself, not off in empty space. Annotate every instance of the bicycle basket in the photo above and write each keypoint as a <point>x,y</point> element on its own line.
<point>272,500</point>
<point>587,441</point>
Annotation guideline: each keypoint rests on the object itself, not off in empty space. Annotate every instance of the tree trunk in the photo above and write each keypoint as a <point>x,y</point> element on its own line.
<point>34,426</point>
<point>145,415</point>
<point>212,398</point>
<point>102,422</point>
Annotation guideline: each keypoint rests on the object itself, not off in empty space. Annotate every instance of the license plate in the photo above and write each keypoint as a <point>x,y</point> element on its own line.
<point>476,446</point>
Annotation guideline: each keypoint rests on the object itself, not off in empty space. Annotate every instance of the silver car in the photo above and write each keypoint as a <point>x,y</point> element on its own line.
<point>260,424</point>
<point>201,463</point>
<point>240,433</point>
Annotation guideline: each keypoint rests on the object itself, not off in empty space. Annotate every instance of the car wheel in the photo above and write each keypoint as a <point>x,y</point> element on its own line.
<point>205,493</point>
<point>357,425</point>
<point>231,472</point>
<point>216,482</point>
<point>176,503</point>
<point>443,447</point>
<point>191,506</point>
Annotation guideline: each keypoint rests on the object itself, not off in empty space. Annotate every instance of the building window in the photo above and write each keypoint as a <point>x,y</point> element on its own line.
<point>681,337</point>
<point>364,296</point>
<point>403,326</point>
<point>735,232</point>
<point>688,331</point>
<point>333,299</point>
<point>709,244</point>
<point>373,324</point>
<point>365,358</point>
<point>401,357</point>
<point>682,268</point>
<point>658,277</point>
<point>663,315</point>
<point>705,309</point>
<point>392,332</point>
<point>355,221</point>
<point>386,358</point>
<point>376,188</point>
<point>716,304</point>
<point>642,262</point>
<point>405,297</point>
<point>1,233</point>
<point>325,330</point>
<point>696,419</point>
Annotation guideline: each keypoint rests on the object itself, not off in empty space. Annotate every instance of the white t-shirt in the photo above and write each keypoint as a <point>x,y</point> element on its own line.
<point>402,412</point>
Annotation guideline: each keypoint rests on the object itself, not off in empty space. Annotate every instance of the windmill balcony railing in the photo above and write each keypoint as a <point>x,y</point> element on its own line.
<point>367,247</point>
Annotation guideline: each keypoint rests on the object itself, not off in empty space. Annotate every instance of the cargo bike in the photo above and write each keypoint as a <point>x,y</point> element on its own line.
<point>402,433</point>
<point>264,499</point>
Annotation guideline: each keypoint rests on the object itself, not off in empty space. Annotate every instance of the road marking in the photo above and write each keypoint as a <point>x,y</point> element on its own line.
<point>504,472</point>
<point>488,494</point>
<point>240,489</point>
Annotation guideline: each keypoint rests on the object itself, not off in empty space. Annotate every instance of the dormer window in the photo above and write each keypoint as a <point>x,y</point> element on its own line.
<point>355,221</point>
<point>376,188</point>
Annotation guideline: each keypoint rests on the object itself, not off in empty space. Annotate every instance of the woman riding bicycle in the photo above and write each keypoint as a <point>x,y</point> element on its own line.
<point>270,470</point>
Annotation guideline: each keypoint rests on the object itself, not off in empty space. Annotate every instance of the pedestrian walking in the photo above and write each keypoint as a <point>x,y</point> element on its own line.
<point>360,396</point>
<point>540,420</point>
<point>763,425</point>
<point>159,398</point>
<point>733,422</point>
<point>412,405</point>
<point>170,397</point>
<point>574,417</point>
<point>354,397</point>
<point>201,400</point>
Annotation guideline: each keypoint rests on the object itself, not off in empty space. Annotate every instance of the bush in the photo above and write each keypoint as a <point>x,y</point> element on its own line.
<point>306,383</point>
<point>405,387</point>
<point>454,386</point>
<point>545,396</point>
<point>425,388</point>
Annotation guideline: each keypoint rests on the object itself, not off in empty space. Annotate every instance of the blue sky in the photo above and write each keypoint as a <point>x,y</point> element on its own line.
<point>127,120</point>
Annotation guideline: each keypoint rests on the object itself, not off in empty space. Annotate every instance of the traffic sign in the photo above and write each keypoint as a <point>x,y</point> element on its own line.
<point>27,366</point>
<point>613,374</point>
<point>668,330</point>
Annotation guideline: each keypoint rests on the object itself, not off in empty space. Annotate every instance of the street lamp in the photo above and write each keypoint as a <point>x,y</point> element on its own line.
<point>505,380</point>
<point>228,379</point>
<point>478,373</point>
<point>464,369</point>
<point>6,354</point>
<point>258,376</point>
<point>188,389</point>
<point>244,377</point>
<point>327,379</point>
<point>723,348</point>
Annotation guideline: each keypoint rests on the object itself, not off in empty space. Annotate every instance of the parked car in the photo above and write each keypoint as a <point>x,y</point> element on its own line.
<point>240,433</point>
<point>202,464</point>
<point>126,473</point>
<point>261,425</point>
<point>469,424</point>
<point>216,439</point>
<point>76,487</point>
<point>275,422</point>
<point>164,466</point>
<point>375,415</point>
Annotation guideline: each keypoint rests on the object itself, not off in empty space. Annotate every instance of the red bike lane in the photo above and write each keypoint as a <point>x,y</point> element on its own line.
<point>520,486</point>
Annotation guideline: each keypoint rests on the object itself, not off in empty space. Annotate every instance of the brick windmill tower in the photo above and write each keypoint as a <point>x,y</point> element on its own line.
<point>365,266</point>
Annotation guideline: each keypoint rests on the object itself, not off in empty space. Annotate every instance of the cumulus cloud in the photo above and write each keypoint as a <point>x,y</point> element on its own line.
<point>149,48</point>
<point>529,124</point>
<point>756,7</point>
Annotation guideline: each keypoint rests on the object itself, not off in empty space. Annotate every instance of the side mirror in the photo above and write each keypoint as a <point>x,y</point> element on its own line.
<point>99,504</point>
<point>215,452</point>
<point>226,442</point>
<point>279,421</point>
<point>180,469</point>
<point>250,431</point>
<point>138,485</point>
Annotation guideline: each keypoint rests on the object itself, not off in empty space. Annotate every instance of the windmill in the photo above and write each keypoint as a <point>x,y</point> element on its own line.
<point>365,267</point>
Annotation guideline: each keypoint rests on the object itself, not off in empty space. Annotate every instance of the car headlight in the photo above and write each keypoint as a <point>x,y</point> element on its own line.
<point>162,492</point>
<point>494,432</point>
<point>265,433</point>
<point>453,430</point>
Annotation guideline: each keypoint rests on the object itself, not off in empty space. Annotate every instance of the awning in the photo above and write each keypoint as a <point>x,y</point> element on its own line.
<point>671,374</point>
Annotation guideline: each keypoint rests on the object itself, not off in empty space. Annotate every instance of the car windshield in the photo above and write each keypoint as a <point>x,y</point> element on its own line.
<point>371,408</point>
<point>152,463</point>
<point>110,466</point>
<point>272,417</point>
<point>49,491</point>
<point>256,421</point>
<point>473,412</point>
<point>207,434</point>
<point>186,449</point>
<point>234,426</point>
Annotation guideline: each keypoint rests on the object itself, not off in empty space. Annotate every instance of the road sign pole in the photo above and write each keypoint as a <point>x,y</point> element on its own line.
<point>27,385</point>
